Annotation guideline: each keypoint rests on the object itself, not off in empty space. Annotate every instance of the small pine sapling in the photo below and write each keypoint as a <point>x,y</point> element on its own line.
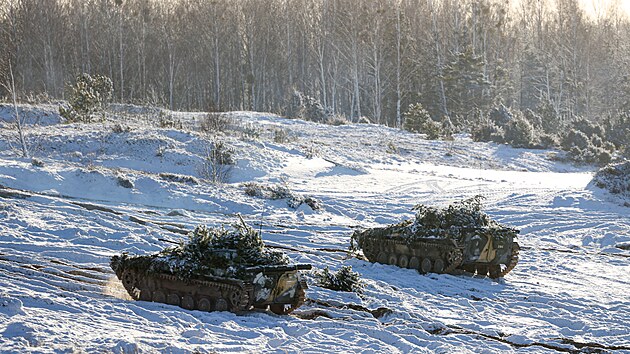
<point>345,279</point>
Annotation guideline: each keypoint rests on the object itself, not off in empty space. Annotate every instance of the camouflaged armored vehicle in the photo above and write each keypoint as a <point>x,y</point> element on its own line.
<point>217,270</point>
<point>444,240</point>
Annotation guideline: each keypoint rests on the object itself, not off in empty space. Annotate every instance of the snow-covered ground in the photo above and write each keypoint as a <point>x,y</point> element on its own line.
<point>57,294</point>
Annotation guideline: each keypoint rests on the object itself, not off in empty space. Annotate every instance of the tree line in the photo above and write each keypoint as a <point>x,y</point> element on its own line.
<point>368,58</point>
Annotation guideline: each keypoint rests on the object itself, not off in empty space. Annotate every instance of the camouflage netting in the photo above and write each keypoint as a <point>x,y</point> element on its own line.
<point>208,252</point>
<point>451,221</point>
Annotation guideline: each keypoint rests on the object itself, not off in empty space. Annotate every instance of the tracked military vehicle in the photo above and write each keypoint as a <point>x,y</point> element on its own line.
<point>457,238</point>
<point>216,270</point>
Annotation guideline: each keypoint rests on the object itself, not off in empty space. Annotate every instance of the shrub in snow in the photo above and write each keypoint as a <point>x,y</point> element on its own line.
<point>591,129</point>
<point>281,136</point>
<point>215,122</point>
<point>337,120</point>
<point>487,130</point>
<point>551,121</point>
<point>615,178</point>
<point>173,177</point>
<point>519,132</point>
<point>416,118</point>
<point>274,191</point>
<point>167,120</point>
<point>218,162</point>
<point>119,128</point>
<point>392,148</point>
<point>209,251</point>
<point>617,128</point>
<point>500,115</point>
<point>313,203</point>
<point>345,279</point>
<point>548,141</point>
<point>432,129</point>
<point>576,138</point>
<point>124,182</point>
<point>277,191</point>
<point>590,155</point>
<point>447,128</point>
<point>534,119</point>
<point>37,162</point>
<point>87,96</point>
<point>585,143</point>
<point>246,130</point>
<point>308,108</point>
<point>363,120</point>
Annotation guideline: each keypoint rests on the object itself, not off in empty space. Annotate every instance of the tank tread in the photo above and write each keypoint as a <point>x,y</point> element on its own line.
<point>238,293</point>
<point>448,263</point>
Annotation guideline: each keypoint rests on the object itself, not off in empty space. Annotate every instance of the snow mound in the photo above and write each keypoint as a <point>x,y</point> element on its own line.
<point>45,115</point>
<point>10,306</point>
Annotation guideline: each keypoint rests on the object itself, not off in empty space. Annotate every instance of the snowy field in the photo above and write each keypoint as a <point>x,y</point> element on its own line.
<point>62,220</point>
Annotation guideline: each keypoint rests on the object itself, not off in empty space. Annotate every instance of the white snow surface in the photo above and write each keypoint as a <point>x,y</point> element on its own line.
<point>569,291</point>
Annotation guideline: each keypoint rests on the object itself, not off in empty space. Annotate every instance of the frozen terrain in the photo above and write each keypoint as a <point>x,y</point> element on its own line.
<point>62,217</point>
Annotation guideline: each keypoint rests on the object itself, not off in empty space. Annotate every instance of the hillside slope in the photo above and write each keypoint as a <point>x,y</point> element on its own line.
<point>75,210</point>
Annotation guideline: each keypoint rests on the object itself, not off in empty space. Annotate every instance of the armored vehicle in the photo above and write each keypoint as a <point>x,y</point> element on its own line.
<point>444,240</point>
<point>216,270</point>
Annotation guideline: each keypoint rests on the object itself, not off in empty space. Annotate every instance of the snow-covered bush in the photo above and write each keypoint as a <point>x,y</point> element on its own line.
<point>265,191</point>
<point>208,251</point>
<point>432,129</point>
<point>278,191</point>
<point>591,129</point>
<point>500,115</point>
<point>585,143</point>
<point>345,279</point>
<point>308,108</point>
<point>615,178</point>
<point>551,121</point>
<point>87,96</point>
<point>487,130</point>
<point>124,182</point>
<point>575,138</point>
<point>617,129</point>
<point>168,120</point>
<point>173,177</point>
<point>519,132</point>
<point>447,128</point>
<point>418,120</point>
<point>214,122</point>
<point>119,128</point>
<point>534,119</point>
<point>364,120</point>
<point>337,120</point>
<point>218,162</point>
<point>281,136</point>
<point>548,141</point>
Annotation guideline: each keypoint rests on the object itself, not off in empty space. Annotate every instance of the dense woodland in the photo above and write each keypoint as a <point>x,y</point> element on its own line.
<point>371,58</point>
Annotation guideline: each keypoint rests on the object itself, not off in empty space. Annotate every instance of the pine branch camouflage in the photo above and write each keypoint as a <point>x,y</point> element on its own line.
<point>224,252</point>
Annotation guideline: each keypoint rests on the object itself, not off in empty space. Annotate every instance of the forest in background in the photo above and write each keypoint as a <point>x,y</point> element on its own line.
<point>370,58</point>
